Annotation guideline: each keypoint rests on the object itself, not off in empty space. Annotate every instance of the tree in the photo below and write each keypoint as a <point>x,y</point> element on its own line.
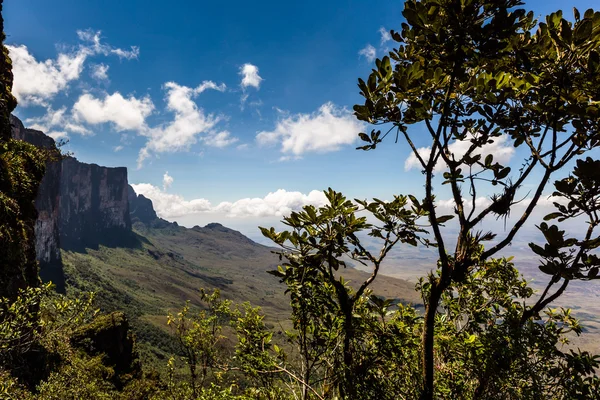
<point>474,72</point>
<point>471,73</point>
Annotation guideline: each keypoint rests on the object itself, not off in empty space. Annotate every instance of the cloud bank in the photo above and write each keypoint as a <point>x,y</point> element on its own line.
<point>274,204</point>
<point>325,130</point>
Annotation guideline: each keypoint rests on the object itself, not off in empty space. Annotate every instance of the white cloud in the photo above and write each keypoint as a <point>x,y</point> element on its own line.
<point>118,148</point>
<point>326,130</point>
<point>278,203</point>
<point>57,135</point>
<point>99,72</point>
<point>219,139</point>
<point>167,181</point>
<point>125,113</point>
<point>385,35</point>
<point>37,82</point>
<point>250,76</point>
<point>56,119</point>
<point>500,149</point>
<point>171,205</point>
<point>189,122</point>
<point>97,47</point>
<point>205,85</point>
<point>368,52</point>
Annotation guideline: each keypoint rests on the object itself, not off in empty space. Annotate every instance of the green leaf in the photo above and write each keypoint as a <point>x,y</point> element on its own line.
<point>503,173</point>
<point>552,216</point>
<point>538,250</point>
<point>364,137</point>
<point>444,218</point>
<point>583,31</point>
<point>488,160</point>
<point>549,269</point>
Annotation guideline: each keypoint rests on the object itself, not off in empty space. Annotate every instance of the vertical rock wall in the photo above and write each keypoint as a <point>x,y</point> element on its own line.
<point>93,206</point>
<point>79,206</point>
<point>47,245</point>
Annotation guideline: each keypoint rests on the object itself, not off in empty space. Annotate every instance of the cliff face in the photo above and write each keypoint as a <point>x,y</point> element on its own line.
<point>93,206</point>
<point>140,207</point>
<point>47,245</point>
<point>79,206</point>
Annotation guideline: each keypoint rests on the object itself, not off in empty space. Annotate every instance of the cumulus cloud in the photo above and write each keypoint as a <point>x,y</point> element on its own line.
<point>167,181</point>
<point>125,113</point>
<point>278,203</point>
<point>37,82</point>
<point>274,204</point>
<point>58,135</point>
<point>250,76</point>
<point>368,52</point>
<point>188,124</point>
<point>99,72</point>
<point>326,130</point>
<point>500,149</point>
<point>57,123</point>
<point>171,205</point>
<point>385,35</point>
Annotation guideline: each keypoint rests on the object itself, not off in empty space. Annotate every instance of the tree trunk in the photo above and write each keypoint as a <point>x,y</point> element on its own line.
<point>428,341</point>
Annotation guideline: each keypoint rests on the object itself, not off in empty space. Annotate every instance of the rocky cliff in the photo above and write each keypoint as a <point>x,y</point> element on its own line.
<point>94,208</point>
<point>79,206</point>
<point>140,207</point>
<point>47,204</point>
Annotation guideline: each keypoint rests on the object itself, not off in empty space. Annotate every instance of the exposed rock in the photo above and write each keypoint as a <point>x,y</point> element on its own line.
<point>140,207</point>
<point>47,204</point>
<point>94,208</point>
<point>79,206</point>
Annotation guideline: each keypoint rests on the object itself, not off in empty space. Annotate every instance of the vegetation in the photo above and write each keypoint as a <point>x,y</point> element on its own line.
<point>474,72</point>
<point>471,73</point>
<point>21,170</point>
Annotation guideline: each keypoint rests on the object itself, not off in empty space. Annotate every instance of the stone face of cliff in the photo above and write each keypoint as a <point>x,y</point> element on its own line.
<point>47,204</point>
<point>140,207</point>
<point>94,208</point>
<point>79,206</point>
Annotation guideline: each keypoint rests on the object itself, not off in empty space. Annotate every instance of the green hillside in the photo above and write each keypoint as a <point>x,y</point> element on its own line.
<point>171,264</point>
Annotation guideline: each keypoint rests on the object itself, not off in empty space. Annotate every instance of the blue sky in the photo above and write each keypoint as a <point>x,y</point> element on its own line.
<point>229,111</point>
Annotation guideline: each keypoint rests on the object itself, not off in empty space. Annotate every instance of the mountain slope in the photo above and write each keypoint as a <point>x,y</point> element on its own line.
<point>171,264</point>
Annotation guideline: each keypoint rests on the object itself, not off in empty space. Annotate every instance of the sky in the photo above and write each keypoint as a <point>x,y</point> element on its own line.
<point>234,112</point>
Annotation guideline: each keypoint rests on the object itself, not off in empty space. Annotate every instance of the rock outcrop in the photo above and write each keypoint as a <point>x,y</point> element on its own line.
<point>47,245</point>
<point>111,336</point>
<point>79,206</point>
<point>94,208</point>
<point>140,208</point>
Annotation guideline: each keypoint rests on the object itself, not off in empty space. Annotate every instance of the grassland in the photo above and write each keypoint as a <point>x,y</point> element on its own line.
<point>170,266</point>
